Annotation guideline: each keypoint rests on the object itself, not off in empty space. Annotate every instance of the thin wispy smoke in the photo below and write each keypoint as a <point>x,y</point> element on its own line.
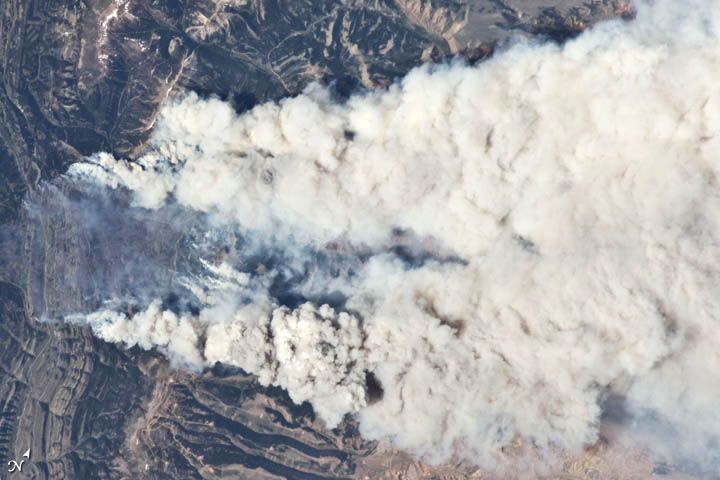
<point>498,248</point>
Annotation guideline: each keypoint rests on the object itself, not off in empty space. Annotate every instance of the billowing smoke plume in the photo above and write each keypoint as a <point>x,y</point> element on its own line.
<point>471,257</point>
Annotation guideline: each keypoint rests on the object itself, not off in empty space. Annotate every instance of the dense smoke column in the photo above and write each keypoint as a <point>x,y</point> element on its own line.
<point>497,250</point>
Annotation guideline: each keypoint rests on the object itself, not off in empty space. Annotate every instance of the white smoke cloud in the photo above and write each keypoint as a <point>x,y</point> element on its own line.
<point>576,185</point>
<point>178,337</point>
<point>312,352</point>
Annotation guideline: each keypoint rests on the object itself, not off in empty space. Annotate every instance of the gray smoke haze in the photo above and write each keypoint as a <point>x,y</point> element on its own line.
<point>500,248</point>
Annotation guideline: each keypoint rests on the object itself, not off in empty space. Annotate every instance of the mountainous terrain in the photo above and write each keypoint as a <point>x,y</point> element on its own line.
<point>80,77</point>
